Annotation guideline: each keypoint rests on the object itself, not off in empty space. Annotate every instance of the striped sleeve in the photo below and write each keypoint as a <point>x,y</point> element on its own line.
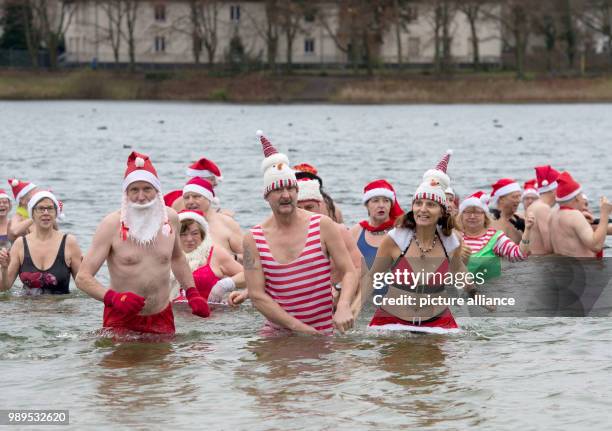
<point>505,247</point>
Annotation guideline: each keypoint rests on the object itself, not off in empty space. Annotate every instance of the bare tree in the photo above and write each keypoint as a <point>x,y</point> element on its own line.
<point>270,30</point>
<point>48,24</point>
<point>360,30</point>
<point>113,28</point>
<point>403,12</point>
<point>131,8</point>
<point>472,9</point>
<point>597,16</point>
<point>291,14</point>
<point>516,18</point>
<point>202,26</point>
<point>440,15</point>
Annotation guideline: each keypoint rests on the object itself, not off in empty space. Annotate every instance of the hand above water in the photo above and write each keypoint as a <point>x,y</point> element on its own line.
<point>343,318</point>
<point>5,258</point>
<point>605,207</point>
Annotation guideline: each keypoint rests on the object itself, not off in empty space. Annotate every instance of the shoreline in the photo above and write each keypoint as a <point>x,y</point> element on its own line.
<point>266,88</point>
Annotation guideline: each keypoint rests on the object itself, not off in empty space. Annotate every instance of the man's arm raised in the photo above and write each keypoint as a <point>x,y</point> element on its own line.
<point>255,281</point>
<point>593,240</point>
<point>18,226</point>
<point>334,243</point>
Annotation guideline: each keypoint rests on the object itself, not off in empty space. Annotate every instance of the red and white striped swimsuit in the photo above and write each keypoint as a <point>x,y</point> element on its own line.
<point>303,287</point>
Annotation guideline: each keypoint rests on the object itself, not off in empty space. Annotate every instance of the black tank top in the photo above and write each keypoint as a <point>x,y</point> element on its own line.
<point>55,280</point>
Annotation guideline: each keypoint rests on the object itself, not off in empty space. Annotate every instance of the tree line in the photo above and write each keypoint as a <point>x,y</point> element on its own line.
<point>566,32</point>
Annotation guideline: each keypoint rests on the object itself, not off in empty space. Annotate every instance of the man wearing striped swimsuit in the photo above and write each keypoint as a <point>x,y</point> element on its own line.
<point>287,259</point>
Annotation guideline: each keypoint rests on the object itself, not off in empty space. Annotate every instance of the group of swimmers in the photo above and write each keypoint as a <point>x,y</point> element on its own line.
<point>301,267</point>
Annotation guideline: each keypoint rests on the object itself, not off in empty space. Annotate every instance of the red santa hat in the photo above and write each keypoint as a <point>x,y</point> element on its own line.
<point>529,189</point>
<point>20,188</point>
<point>140,168</point>
<point>195,215</point>
<point>275,167</point>
<point>385,189</point>
<point>478,199</point>
<point>568,188</point>
<point>503,187</point>
<point>546,178</point>
<point>39,196</point>
<point>204,168</point>
<point>4,195</point>
<point>200,186</point>
<point>309,190</point>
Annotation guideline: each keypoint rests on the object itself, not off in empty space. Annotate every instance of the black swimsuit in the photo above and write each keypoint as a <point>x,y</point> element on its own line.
<point>55,280</point>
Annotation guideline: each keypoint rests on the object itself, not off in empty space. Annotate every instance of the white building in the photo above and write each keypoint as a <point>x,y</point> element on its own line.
<point>163,34</point>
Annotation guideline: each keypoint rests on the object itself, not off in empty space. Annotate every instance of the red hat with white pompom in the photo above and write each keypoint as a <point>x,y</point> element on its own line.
<point>546,178</point>
<point>204,168</point>
<point>529,189</point>
<point>479,199</point>
<point>275,167</point>
<point>140,168</point>
<point>20,188</point>
<point>568,187</point>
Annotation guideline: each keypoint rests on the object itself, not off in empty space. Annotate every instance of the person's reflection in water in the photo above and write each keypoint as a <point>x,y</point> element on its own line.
<point>288,376</point>
<point>140,380</point>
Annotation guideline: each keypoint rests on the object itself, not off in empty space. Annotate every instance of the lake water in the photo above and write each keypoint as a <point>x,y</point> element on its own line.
<point>218,373</point>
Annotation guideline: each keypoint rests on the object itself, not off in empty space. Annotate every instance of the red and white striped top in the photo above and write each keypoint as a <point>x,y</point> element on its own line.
<point>504,247</point>
<point>303,287</point>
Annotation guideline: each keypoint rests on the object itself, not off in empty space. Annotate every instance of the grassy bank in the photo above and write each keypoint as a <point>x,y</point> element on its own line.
<point>261,87</point>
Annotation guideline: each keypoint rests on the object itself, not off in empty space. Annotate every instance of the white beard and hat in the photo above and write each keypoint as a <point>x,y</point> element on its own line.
<point>142,222</point>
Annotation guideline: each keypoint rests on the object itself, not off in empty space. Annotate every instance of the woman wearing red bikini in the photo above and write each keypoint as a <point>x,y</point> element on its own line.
<point>422,243</point>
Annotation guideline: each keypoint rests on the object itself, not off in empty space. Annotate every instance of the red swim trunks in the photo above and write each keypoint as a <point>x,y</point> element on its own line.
<point>160,323</point>
<point>442,323</point>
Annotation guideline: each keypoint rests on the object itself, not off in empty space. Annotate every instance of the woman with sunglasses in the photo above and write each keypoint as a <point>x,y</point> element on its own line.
<point>46,247</point>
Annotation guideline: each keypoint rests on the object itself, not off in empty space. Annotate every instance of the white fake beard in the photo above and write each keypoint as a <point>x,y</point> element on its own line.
<point>144,220</point>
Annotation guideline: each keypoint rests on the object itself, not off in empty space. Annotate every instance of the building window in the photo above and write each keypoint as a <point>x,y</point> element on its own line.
<point>160,44</point>
<point>160,12</point>
<point>309,46</point>
<point>235,13</point>
<point>309,16</point>
<point>414,47</point>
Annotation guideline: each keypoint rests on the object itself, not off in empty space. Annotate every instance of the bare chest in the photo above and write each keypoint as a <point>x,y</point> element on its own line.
<point>128,254</point>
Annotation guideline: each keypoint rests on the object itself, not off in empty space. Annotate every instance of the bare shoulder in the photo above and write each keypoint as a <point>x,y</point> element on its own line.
<point>229,222</point>
<point>71,240</point>
<point>18,244</point>
<point>172,215</point>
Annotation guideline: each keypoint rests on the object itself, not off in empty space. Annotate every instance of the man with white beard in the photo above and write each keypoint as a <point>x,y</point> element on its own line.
<point>140,244</point>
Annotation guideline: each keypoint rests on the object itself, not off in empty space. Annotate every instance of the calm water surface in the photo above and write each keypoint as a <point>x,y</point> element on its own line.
<point>218,373</point>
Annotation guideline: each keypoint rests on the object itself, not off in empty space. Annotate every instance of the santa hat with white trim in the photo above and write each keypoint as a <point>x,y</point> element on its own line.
<point>435,182</point>
<point>275,167</point>
<point>309,190</point>
<point>204,168</point>
<point>4,195</point>
<point>478,199</point>
<point>503,187</point>
<point>46,194</point>
<point>195,215</point>
<point>568,188</point>
<point>382,188</point>
<point>546,178</point>
<point>140,168</point>
<point>529,189</point>
<point>20,188</point>
<point>201,187</point>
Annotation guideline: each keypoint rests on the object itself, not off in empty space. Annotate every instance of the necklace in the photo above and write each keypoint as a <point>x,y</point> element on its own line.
<point>425,251</point>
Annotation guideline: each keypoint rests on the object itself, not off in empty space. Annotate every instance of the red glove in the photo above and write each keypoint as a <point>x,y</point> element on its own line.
<point>126,302</point>
<point>198,305</point>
